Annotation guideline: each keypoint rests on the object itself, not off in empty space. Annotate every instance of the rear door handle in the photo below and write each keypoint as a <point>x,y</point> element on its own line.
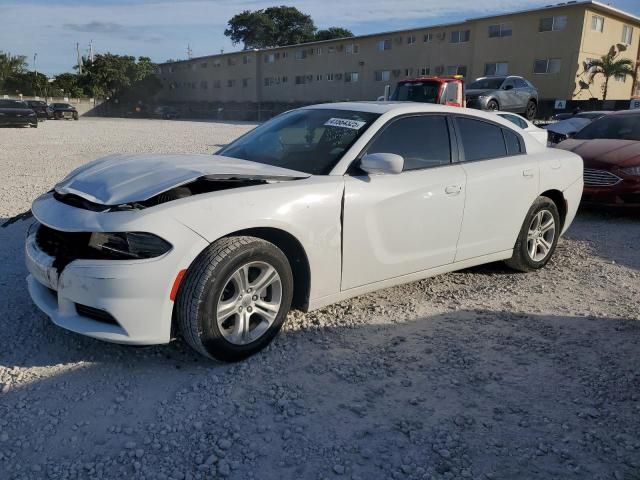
<point>453,189</point>
<point>528,172</point>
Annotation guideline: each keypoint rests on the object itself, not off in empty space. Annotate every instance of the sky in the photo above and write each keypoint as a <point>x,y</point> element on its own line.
<point>163,29</point>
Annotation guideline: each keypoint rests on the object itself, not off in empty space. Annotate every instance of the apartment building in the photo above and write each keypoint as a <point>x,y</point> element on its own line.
<point>549,46</point>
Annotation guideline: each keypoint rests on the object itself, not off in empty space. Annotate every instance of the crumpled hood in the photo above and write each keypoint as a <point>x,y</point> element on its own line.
<point>569,126</point>
<point>120,179</point>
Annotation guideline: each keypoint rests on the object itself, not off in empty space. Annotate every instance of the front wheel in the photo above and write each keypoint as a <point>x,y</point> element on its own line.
<point>538,237</point>
<point>531,110</point>
<point>493,106</point>
<point>234,298</point>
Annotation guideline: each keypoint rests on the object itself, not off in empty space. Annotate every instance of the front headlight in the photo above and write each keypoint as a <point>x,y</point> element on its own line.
<point>129,245</point>
<point>635,171</point>
<point>32,114</point>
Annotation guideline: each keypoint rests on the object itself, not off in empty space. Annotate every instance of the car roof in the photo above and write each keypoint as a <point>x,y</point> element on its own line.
<point>626,112</point>
<point>384,107</point>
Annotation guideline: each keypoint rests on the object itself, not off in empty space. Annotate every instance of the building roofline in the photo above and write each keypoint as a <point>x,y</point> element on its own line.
<point>571,3</point>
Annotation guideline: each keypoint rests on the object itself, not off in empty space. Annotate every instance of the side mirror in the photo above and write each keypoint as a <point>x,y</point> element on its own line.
<point>382,163</point>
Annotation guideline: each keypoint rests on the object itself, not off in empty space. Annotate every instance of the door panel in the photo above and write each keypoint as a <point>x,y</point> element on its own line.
<point>400,224</point>
<point>499,194</point>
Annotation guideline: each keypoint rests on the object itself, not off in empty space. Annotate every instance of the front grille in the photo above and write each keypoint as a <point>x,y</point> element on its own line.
<point>64,247</point>
<point>96,314</point>
<point>600,178</point>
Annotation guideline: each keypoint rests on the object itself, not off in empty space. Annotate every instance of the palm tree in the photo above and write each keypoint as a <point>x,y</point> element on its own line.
<point>11,65</point>
<point>610,65</point>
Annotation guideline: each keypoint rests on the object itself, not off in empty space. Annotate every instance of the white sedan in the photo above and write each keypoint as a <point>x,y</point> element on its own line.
<point>314,206</point>
<point>538,133</point>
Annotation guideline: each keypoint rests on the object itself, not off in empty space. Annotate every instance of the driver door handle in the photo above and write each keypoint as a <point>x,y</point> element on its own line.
<point>453,189</point>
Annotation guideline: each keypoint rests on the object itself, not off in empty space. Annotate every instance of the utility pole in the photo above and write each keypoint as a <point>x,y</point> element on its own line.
<point>189,52</point>
<point>35,72</point>
<point>79,58</point>
<point>91,51</point>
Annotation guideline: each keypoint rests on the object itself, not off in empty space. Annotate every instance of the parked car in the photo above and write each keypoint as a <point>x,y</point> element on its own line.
<point>610,148</point>
<point>509,93</point>
<point>17,113</point>
<point>590,115</point>
<point>314,206</point>
<point>166,112</point>
<point>43,111</point>
<point>64,110</point>
<point>566,128</point>
<point>538,133</point>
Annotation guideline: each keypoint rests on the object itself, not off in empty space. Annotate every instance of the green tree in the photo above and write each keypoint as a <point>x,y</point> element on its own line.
<point>66,84</point>
<point>11,65</point>
<point>270,27</point>
<point>110,74</point>
<point>333,32</point>
<point>608,66</point>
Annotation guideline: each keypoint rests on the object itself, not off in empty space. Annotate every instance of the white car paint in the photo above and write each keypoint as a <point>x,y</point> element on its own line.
<point>359,232</point>
<point>538,133</point>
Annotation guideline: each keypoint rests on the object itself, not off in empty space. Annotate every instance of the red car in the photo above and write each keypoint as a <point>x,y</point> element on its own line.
<point>610,148</point>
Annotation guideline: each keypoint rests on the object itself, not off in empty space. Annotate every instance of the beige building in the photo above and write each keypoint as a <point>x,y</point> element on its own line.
<point>548,46</point>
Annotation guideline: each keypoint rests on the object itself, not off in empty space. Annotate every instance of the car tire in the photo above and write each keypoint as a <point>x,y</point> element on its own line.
<point>35,125</point>
<point>492,105</point>
<point>219,312</point>
<point>538,237</point>
<point>76,117</point>
<point>531,110</point>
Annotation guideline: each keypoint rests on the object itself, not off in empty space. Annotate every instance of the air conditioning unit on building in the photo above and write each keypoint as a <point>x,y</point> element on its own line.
<point>441,36</point>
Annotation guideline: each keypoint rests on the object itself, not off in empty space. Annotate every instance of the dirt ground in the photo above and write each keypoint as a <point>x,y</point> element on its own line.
<point>480,374</point>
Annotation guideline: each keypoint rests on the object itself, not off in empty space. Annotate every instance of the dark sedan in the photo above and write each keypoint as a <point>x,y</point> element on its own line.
<point>17,113</point>
<point>610,149</point>
<point>64,110</point>
<point>43,111</point>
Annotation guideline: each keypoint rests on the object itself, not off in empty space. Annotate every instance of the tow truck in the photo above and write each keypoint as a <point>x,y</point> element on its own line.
<point>443,90</point>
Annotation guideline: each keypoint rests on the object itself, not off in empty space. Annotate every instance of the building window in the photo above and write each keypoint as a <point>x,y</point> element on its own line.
<point>231,61</point>
<point>204,84</point>
<point>231,83</point>
<point>301,79</point>
<point>428,37</point>
<point>217,63</point>
<point>301,54</point>
<point>597,23</point>
<point>384,45</point>
<point>457,70</point>
<point>498,68</point>
<point>329,77</point>
<point>271,58</point>
<point>351,77</point>
<point>319,77</point>
<point>408,72</point>
<point>553,24</point>
<point>460,36</point>
<point>411,40</point>
<point>382,75</point>
<point>620,78</point>
<point>245,82</point>
<point>425,71</point>
<point>352,48</point>
<point>627,34</point>
<point>319,51</point>
<point>548,65</point>
<point>331,49</point>
<point>203,65</point>
<point>500,30</point>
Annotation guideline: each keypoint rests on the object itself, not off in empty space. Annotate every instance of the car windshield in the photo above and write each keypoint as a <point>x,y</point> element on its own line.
<point>425,92</point>
<point>617,127</point>
<point>306,140</point>
<point>486,84</point>
<point>36,103</point>
<point>12,104</point>
<point>61,105</point>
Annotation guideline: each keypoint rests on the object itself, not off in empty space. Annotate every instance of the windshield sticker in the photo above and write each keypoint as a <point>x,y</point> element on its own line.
<point>345,123</point>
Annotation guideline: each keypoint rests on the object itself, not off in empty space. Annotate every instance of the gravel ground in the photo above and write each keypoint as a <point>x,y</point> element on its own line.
<point>481,374</point>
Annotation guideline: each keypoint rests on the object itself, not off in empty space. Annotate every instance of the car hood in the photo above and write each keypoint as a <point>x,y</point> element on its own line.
<point>120,179</point>
<point>621,153</point>
<point>569,126</point>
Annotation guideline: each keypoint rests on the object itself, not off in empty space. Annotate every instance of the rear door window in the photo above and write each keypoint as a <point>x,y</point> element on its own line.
<point>480,140</point>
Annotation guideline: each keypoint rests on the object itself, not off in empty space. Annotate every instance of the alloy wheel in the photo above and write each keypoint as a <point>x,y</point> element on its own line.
<point>249,303</point>
<point>540,236</point>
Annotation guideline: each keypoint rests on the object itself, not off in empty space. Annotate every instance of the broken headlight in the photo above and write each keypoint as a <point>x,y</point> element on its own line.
<point>129,245</point>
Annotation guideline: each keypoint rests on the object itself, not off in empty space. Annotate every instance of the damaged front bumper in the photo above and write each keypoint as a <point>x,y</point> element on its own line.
<point>122,301</point>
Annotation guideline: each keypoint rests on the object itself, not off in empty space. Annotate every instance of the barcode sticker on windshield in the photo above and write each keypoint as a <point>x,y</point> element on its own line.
<point>345,123</point>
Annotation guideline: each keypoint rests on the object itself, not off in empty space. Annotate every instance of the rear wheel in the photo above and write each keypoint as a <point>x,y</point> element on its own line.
<point>538,237</point>
<point>234,298</point>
